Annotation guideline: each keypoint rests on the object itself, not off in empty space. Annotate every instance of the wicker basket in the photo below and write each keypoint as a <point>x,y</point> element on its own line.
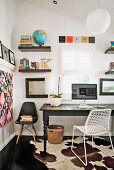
<point>55,134</point>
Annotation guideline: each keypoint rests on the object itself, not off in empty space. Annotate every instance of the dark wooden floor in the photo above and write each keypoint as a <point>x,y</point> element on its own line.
<point>20,156</point>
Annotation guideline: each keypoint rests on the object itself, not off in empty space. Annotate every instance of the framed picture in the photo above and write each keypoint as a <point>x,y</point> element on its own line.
<point>11,57</point>
<point>106,86</point>
<point>35,88</point>
<point>1,50</point>
<point>5,53</point>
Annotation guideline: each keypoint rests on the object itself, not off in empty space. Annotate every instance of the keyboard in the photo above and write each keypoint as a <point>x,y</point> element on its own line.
<point>85,107</point>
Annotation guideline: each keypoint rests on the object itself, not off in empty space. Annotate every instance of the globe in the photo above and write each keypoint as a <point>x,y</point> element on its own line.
<point>39,37</point>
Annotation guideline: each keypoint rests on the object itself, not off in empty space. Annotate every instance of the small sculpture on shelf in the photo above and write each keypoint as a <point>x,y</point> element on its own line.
<point>37,65</point>
<point>33,66</point>
<point>45,63</point>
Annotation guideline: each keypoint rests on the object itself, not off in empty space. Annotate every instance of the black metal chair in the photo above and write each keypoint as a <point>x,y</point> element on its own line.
<point>27,109</point>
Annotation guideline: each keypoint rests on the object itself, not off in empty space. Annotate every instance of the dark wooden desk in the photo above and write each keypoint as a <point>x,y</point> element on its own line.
<point>65,110</point>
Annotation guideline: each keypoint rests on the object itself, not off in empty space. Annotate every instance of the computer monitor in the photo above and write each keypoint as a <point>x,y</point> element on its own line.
<point>84,91</point>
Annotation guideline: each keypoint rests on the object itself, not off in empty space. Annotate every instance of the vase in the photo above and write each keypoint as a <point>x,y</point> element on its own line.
<point>55,101</point>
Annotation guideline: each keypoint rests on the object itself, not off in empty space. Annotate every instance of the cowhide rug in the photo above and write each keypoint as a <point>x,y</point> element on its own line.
<point>60,157</point>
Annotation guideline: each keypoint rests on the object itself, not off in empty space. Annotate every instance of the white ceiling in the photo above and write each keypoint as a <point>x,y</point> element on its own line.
<point>76,9</point>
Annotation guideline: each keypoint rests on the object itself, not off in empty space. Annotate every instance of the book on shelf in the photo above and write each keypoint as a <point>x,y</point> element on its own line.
<point>26,37</point>
<point>26,40</point>
<point>26,45</point>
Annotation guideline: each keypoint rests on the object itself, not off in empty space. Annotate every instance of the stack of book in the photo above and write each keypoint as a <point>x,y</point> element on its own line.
<point>24,64</point>
<point>26,40</point>
<point>26,118</point>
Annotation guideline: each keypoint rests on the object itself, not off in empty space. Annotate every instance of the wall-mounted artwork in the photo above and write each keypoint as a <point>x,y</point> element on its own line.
<point>69,39</point>
<point>35,88</point>
<point>76,39</point>
<point>5,53</point>
<point>11,57</point>
<point>6,100</point>
<point>61,39</point>
<point>106,86</point>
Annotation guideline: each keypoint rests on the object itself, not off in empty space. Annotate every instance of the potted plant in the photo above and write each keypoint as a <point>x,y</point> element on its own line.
<point>56,99</point>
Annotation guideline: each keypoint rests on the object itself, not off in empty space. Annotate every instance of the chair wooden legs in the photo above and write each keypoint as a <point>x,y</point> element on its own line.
<point>34,132</point>
<point>20,132</point>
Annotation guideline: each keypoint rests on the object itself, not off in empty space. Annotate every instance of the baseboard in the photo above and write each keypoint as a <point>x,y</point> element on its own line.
<point>7,141</point>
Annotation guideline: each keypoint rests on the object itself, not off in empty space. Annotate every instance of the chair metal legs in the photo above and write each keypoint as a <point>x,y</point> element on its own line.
<point>72,146</point>
<point>111,146</point>
<point>111,141</point>
<point>85,163</point>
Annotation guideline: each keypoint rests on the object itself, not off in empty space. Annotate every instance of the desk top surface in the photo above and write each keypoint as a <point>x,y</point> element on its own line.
<point>73,107</point>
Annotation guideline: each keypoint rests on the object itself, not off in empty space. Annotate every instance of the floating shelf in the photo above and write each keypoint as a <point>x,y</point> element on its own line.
<point>33,71</point>
<point>7,64</point>
<point>109,72</point>
<point>35,48</point>
<point>109,51</point>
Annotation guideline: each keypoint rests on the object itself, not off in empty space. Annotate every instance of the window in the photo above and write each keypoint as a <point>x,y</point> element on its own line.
<point>76,66</point>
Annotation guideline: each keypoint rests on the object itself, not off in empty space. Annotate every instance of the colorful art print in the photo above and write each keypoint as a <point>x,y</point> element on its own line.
<point>91,39</point>
<point>84,39</point>
<point>5,53</point>
<point>62,39</point>
<point>76,39</point>
<point>6,99</point>
<point>69,39</point>
<point>11,57</point>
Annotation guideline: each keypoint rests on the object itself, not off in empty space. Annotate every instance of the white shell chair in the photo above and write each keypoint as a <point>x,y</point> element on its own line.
<point>97,123</point>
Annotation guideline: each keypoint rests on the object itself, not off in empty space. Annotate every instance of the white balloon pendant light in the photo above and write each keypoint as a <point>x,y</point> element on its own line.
<point>98,21</point>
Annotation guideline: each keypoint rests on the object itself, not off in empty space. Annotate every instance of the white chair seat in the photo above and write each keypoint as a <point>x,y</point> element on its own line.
<point>91,130</point>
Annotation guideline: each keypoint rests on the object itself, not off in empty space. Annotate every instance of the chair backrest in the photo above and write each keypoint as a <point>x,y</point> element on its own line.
<point>98,121</point>
<point>29,108</point>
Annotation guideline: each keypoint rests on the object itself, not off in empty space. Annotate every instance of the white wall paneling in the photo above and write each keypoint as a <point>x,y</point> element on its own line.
<point>30,17</point>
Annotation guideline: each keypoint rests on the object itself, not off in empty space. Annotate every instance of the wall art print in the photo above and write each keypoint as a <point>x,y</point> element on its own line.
<point>76,39</point>
<point>6,99</point>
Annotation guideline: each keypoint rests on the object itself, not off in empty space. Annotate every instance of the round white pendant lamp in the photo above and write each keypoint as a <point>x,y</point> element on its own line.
<point>98,21</point>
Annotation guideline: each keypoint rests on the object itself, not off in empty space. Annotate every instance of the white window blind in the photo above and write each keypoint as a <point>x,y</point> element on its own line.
<point>75,68</point>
